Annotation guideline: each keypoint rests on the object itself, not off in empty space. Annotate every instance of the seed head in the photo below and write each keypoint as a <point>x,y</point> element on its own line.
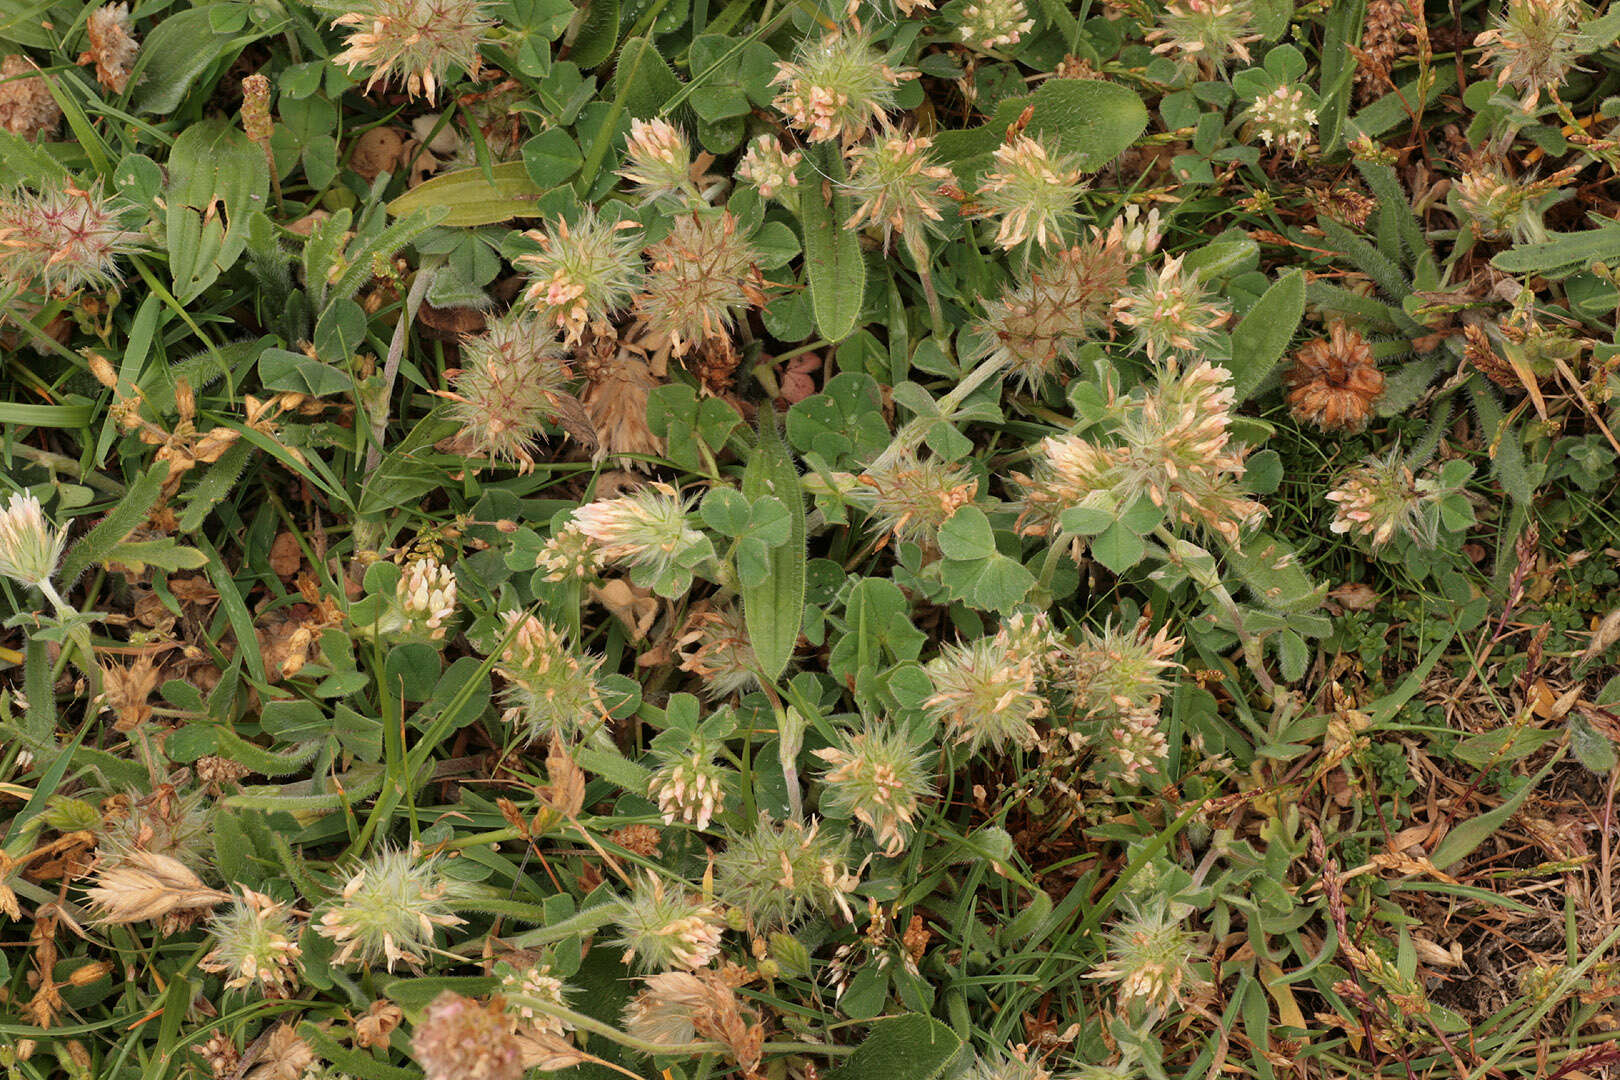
<point>460,1038</point>
<point>551,690</point>
<point>650,531</point>
<point>61,239</point>
<point>414,41</point>
<point>1533,45</point>
<point>1170,312</point>
<point>27,108</point>
<point>389,909</point>
<point>426,595</point>
<point>690,786</point>
<point>1008,1066</point>
<point>895,186</point>
<point>660,161</point>
<point>768,167</point>
<point>583,272</point>
<point>1153,958</point>
<point>701,278</point>
<point>112,45</point>
<point>1046,318</point>
<point>1031,192</point>
<point>30,546</point>
<point>509,386</point>
<point>878,776</point>
<point>1192,32</point>
<point>836,87</point>
<point>989,24</point>
<point>781,871</point>
<point>255,944</point>
<point>662,929</point>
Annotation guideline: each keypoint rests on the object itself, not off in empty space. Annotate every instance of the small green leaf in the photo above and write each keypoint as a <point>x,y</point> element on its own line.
<point>967,535</point>
<point>1118,548</point>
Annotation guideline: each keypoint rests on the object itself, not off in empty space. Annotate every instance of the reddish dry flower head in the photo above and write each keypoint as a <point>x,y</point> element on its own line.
<point>1334,381</point>
<point>112,46</point>
<point>416,41</point>
<point>715,647</point>
<point>26,106</point>
<point>61,239</point>
<point>460,1038</point>
<point>702,276</point>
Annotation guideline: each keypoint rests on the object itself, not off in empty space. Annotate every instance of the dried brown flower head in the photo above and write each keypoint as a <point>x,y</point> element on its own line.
<point>1334,381</point>
<point>112,46</point>
<point>144,886</point>
<point>26,106</point>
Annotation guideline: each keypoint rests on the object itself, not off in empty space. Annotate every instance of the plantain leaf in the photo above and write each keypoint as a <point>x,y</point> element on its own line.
<point>832,253</point>
<point>470,198</point>
<point>1260,340</point>
<point>1094,119</point>
<point>773,609</point>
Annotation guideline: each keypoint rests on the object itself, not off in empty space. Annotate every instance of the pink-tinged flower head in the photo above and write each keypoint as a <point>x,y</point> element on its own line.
<point>112,45</point>
<point>460,1038</point>
<point>414,41</point>
<point>878,776</point>
<point>1170,312</point>
<point>26,105</point>
<point>1153,959</point>
<point>583,273</point>
<point>769,167</point>
<point>690,786</point>
<point>1194,32</point>
<point>836,87</point>
<point>1534,45</point>
<point>989,691</point>
<point>62,239</point>
<point>895,185</point>
<point>1031,192</point>
<point>660,161</point>
<point>30,546</point>
<point>389,909</point>
<point>255,944</point>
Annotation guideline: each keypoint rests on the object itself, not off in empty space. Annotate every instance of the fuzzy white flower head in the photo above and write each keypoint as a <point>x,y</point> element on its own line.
<point>1032,191</point>
<point>691,787</point>
<point>987,24</point>
<point>879,777</point>
<point>649,529</point>
<point>660,161</point>
<point>1284,120</point>
<point>529,990</point>
<point>255,944</point>
<point>30,546</point>
<point>389,909</point>
<point>426,594</point>
<point>663,929</point>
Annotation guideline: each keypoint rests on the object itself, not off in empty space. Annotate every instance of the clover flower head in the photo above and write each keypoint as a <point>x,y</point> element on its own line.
<point>415,41</point>
<point>527,990</point>
<point>1207,31</point>
<point>461,1038</point>
<point>690,786</point>
<point>778,872</point>
<point>1008,1065</point>
<point>389,909</point>
<point>27,108</point>
<point>30,546</point>
<point>911,497</point>
<point>1334,382</point>
<point>769,167</point>
<point>1379,499</point>
<point>878,776</point>
<point>255,944</point>
<point>552,691</point>
<point>650,529</point>
<point>837,86</point>
<point>1284,118</point>
<point>1533,45</point>
<point>1170,312</point>
<point>663,928</point>
<point>715,647</point>
<point>990,24</point>
<point>1118,670</point>
<point>1031,191</point>
<point>896,186</point>
<point>62,239</point>
<point>583,272</point>
<point>569,555</point>
<point>1133,744</point>
<point>426,595</point>
<point>660,159</point>
<point>701,277</point>
<point>987,692</point>
<point>1153,958</point>
<point>508,386</point>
